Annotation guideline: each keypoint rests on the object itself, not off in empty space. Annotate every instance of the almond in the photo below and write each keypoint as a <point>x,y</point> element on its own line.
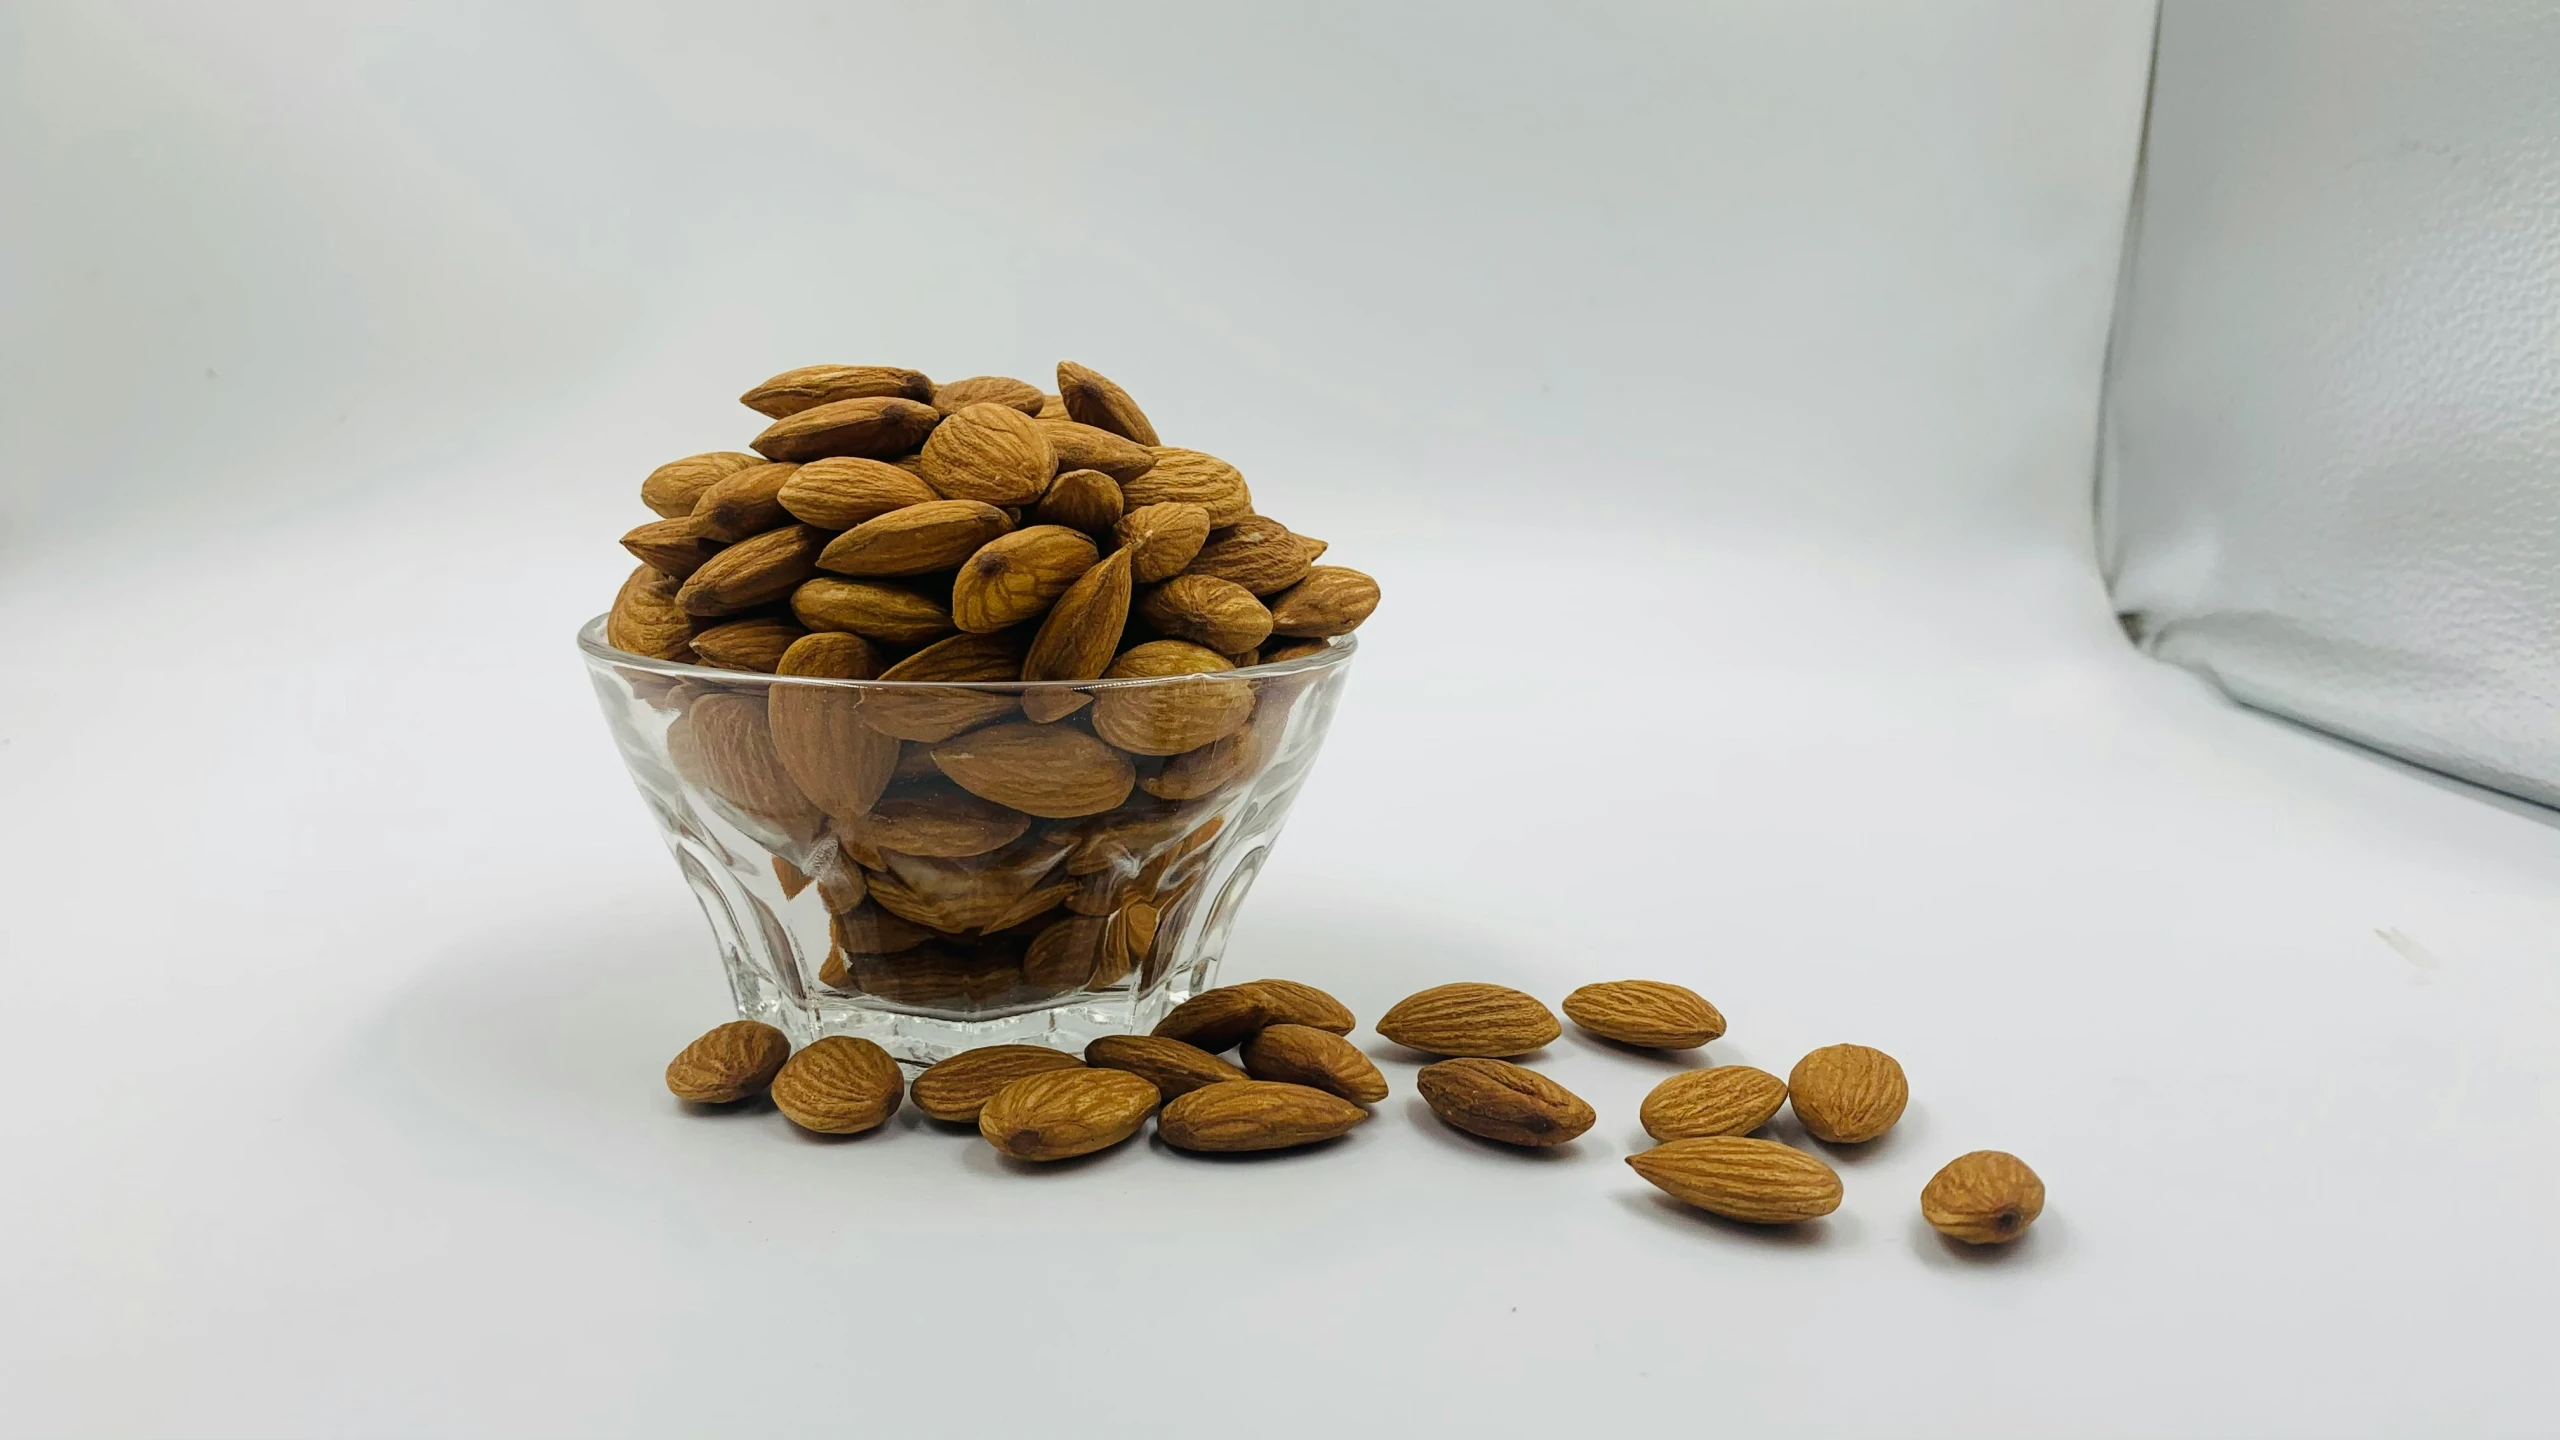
<point>1015,577</point>
<point>1082,447</point>
<point>1174,1068</point>
<point>1257,553</point>
<point>936,715</point>
<point>891,614</point>
<point>1064,955</point>
<point>956,1089</point>
<point>1091,399</point>
<point>871,930</point>
<point>1078,637</point>
<point>1190,476</point>
<point>1053,407</point>
<point>670,546</point>
<point>1241,1115</point>
<point>874,426</point>
<point>1279,653</point>
<point>1289,1002</point>
<point>840,493</point>
<point>1128,937</point>
<point>1848,1094</point>
<point>755,645</point>
<point>991,453</point>
<point>646,620</point>
<point>755,571</point>
<point>810,386</point>
<point>1651,1013</point>
<point>1219,614</point>
<point>1064,1113</point>
<point>839,1085</point>
<point>1303,1055</point>
<point>1215,1020</point>
<point>988,389</point>
<point>1331,601</point>
<point>1195,774</point>
<point>673,489</point>
<point>1163,538</point>
<point>1758,1181</point>
<point>743,503</point>
<point>730,1062</point>
<point>1050,771</point>
<point>1727,1100</point>
<point>917,540</point>
<point>1470,1019</point>
<point>948,825</point>
<point>840,763</point>
<point>940,976</point>
<point>1988,1197</point>
<point>721,744</point>
<point>1126,840</point>
<point>1502,1101</point>
<point>1085,500</point>
<point>1180,714</point>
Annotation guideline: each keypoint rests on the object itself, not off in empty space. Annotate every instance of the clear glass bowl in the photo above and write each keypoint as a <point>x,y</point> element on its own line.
<point>855,887</point>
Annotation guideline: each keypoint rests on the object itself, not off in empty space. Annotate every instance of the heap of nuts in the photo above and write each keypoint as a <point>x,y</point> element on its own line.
<point>978,851</point>
<point>1302,1083</point>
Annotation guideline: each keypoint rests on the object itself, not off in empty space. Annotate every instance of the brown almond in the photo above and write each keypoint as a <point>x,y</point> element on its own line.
<point>1257,553</point>
<point>646,618</point>
<point>673,489</point>
<point>756,645</point>
<point>1219,614</point>
<point>1470,1019</point>
<point>1085,500</point>
<point>1015,577</point>
<point>839,762</point>
<point>956,1089</point>
<point>670,546</point>
<point>1092,399</point>
<point>1216,1020</point>
<point>743,503</point>
<point>810,386</point>
<point>1082,447</point>
<point>1727,1100</point>
<point>1332,600</point>
<point>1194,707</point>
<point>932,716</point>
<point>755,571</point>
<point>730,1062</point>
<point>1988,1197</point>
<point>1502,1101</point>
<point>839,1085</point>
<point>890,614</point>
<point>871,930</point>
<point>827,655</point>
<point>916,540</point>
<point>1241,1115</point>
<point>1846,1094</point>
<point>1051,771</point>
<point>1002,390</point>
<point>989,452</point>
<point>1060,1114</point>
<point>1278,653</point>
<point>1304,1055</point>
<point>1760,1182</point>
<point>874,426</point>
<point>1173,1067</point>
<point>1078,637</point>
<point>842,492</point>
<point>947,825</point>
<point>939,976</point>
<point>1162,538</point>
<point>1651,1013</point>
<point>1128,938</point>
<point>1198,773</point>
<point>722,744</point>
<point>1053,407</point>
<point>1290,1002</point>
<point>1064,955</point>
<point>1198,479</point>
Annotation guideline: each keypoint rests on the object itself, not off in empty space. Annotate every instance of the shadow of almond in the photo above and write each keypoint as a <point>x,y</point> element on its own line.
<point>1659,1209</point>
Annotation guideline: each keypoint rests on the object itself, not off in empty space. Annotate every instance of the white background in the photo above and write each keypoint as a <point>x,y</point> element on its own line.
<point>1711,388</point>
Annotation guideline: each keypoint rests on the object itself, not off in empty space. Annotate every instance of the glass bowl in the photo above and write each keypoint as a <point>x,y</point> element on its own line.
<point>926,866</point>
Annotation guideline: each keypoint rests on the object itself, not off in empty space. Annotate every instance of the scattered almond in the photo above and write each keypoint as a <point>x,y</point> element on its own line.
<point>1758,1181</point>
<point>1173,1067</point>
<point>1848,1094</point>
<point>1242,1115</point>
<point>1063,1113</point>
<point>1470,1019</point>
<point>1651,1013</point>
<point>1303,1055</point>
<point>839,1085</point>
<point>1988,1197</point>
<point>1727,1100</point>
<point>730,1062</point>
<point>956,1089</point>
<point>1502,1101</point>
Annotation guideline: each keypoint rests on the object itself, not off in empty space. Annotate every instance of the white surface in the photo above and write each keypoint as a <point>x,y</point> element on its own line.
<point>338,963</point>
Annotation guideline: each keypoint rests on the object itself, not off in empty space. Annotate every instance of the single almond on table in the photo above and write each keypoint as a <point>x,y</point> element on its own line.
<point>988,389</point>
<point>1052,771</point>
<point>1219,614</point>
<point>1760,1182</point>
<point>1182,714</point>
<point>1332,600</point>
<point>757,645</point>
<point>1173,1067</point>
<point>915,540</point>
<point>1092,399</point>
<point>743,503</point>
<point>730,1062</point>
<point>1216,1020</point>
<point>1470,1019</point>
<point>1086,500</point>
<point>1083,447</point>
<point>755,571</point>
<point>673,547</point>
<point>1727,1100</point>
<point>1291,1002</point>
<point>876,426</point>
<point>1652,1013</point>
<point>989,452</point>
<point>1162,538</point>
<point>1257,553</point>
<point>839,1085</point>
<point>810,386</point>
<point>646,618</point>
<point>878,610</point>
<point>1015,577</point>
<point>1075,642</point>
<point>1304,1055</point>
<point>956,1089</point>
<point>1847,1094</point>
<point>673,489</point>
<point>1988,1197</point>
<point>1063,1113</point>
<point>1195,478</point>
<point>842,492</point>
<point>1234,1116</point>
<point>1502,1101</point>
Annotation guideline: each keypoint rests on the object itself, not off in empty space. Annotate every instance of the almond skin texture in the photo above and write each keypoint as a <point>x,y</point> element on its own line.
<point>1281,651</point>
<point>757,645</point>
<point>1171,718</point>
<point>1470,1019</point>
<point>1332,600</point>
<point>670,546</point>
<point>1289,1002</point>
<point>840,763</point>
<point>1216,1020</point>
<point>1988,1197</point>
<point>1002,390</point>
<point>1174,1068</point>
<point>1078,637</point>
<point>942,827</point>
<point>1727,1100</point>
<point>730,1062</point>
<point>1219,614</point>
<point>932,716</point>
<point>839,1085</point>
<point>1052,771</point>
<point>1082,447</point>
<point>1064,1113</point>
<point>891,614</point>
<point>841,493</point>
<point>1651,1013</point>
<point>743,503</point>
<point>1189,475</point>
<point>1242,1115</point>
<point>1013,578</point>
<point>1257,553</point>
<point>1092,399</point>
<point>1303,1055</point>
<point>1085,500</point>
<point>722,744</point>
<point>958,1088</point>
<point>1760,1182</point>
<point>673,489</point>
<point>1848,1094</point>
<point>755,571</point>
<point>916,540</point>
<point>646,620</point>
<point>1063,957</point>
<point>876,427</point>
<point>1502,1101</point>
<point>989,452</point>
<point>810,386</point>
<point>1162,538</point>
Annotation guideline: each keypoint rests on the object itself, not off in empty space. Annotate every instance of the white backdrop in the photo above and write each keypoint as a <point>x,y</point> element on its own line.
<point>1711,387</point>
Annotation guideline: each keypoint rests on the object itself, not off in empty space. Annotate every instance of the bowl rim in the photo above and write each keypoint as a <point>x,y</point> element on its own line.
<point>1337,652</point>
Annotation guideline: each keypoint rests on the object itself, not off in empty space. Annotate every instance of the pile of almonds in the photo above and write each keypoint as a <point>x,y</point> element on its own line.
<point>1301,1083</point>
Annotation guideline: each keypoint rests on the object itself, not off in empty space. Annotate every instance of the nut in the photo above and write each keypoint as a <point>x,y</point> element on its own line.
<point>1050,771</point>
<point>1091,399</point>
<point>1727,1100</point>
<point>1988,1197</point>
<point>1502,1101</point>
<point>956,1089</point>
<point>1304,1055</point>
<point>1652,1013</point>
<point>1848,1094</point>
<point>1174,1068</point>
<point>810,386</point>
<point>730,1062</point>
<point>989,452</point>
<point>1470,1019</point>
<point>1758,1181</point>
<point>1016,577</point>
<point>1063,1113</point>
<point>839,1085</point>
<point>1240,1115</point>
